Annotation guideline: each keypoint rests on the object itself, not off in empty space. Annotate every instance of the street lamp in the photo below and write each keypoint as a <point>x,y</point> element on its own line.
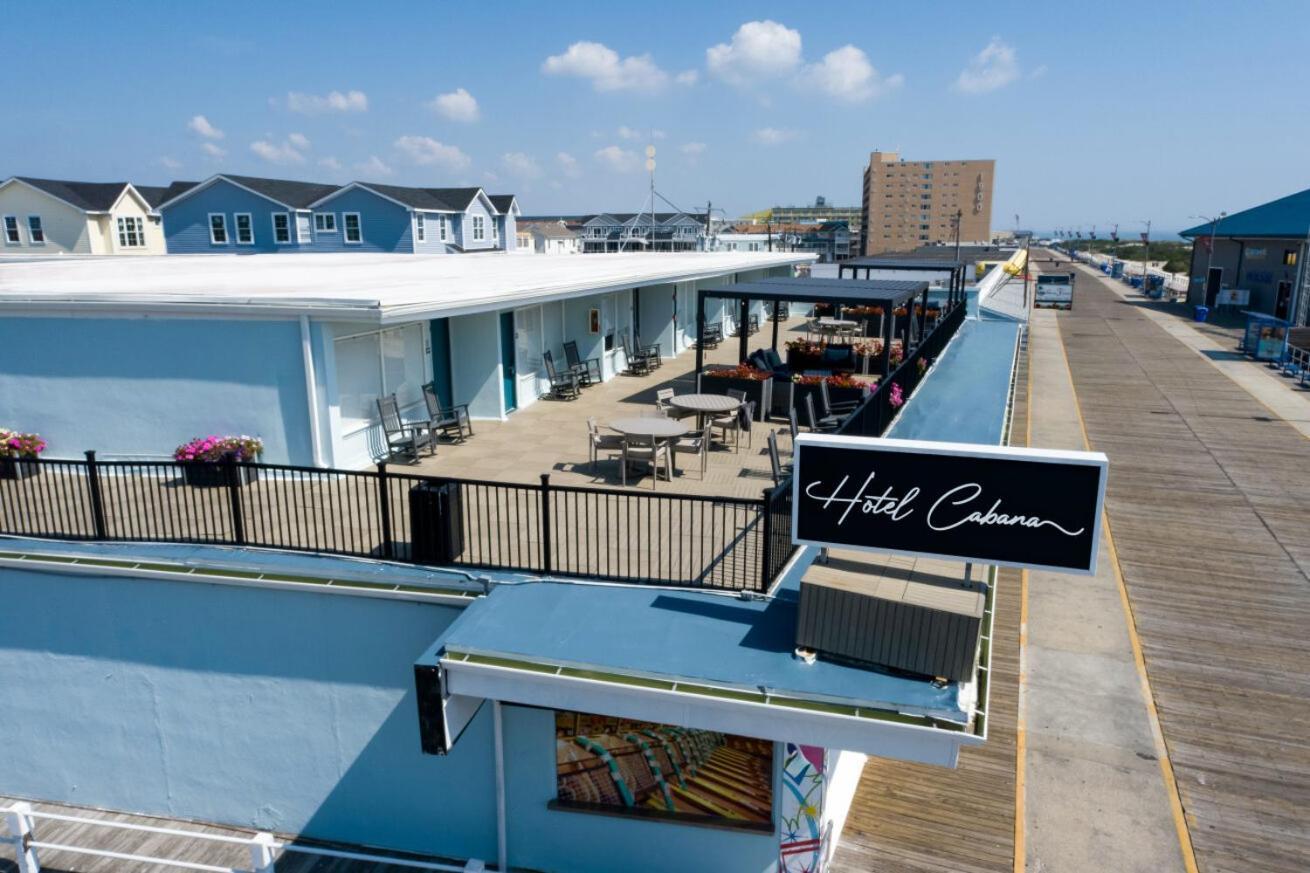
<point>959,214</point>
<point>1209,249</point>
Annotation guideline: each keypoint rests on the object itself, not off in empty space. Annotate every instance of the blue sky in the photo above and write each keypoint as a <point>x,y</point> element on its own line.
<point>1113,112</point>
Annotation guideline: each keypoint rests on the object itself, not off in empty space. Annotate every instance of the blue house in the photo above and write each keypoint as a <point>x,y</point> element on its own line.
<point>246,215</point>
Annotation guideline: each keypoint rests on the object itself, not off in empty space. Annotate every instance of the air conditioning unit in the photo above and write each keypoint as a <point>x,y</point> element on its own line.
<point>917,615</point>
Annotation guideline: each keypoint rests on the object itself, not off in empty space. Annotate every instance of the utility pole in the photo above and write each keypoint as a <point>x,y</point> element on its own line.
<point>769,225</point>
<point>1146,252</point>
<point>708,206</point>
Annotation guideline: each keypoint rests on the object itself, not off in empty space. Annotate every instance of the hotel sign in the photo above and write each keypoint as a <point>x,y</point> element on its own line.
<point>989,504</point>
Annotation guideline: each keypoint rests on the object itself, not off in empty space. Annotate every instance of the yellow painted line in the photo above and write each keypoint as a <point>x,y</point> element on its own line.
<point>1153,716</point>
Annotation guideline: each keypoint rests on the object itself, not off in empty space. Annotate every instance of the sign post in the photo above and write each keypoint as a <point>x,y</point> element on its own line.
<point>1012,507</point>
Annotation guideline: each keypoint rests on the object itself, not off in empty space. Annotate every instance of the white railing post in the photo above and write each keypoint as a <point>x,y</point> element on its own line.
<point>19,821</point>
<point>261,852</point>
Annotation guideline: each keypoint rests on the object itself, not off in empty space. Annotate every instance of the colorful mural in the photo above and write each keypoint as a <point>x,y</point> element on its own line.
<point>802,845</point>
<point>658,770</point>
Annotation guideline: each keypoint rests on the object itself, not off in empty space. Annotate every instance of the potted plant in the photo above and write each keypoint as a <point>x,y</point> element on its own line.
<point>18,451</point>
<point>757,383</point>
<point>204,459</point>
<point>803,354</point>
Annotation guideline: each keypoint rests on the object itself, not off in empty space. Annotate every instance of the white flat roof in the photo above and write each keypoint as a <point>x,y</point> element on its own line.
<point>379,288</point>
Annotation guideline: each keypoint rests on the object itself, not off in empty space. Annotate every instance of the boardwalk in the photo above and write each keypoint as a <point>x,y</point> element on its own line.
<point>1209,502</point>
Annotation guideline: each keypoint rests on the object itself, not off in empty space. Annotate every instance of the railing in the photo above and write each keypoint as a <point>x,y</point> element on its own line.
<point>682,540</point>
<point>20,821</point>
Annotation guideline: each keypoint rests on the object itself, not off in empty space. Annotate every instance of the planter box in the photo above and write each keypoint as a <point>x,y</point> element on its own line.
<point>18,468</point>
<point>210,475</point>
<point>761,391</point>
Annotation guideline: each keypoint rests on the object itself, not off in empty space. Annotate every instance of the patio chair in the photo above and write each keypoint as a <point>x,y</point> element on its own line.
<point>737,423</point>
<point>754,324</point>
<point>452,422</point>
<point>712,336</point>
<point>794,427</point>
<point>583,368</point>
<point>736,394</point>
<point>694,444</point>
<point>563,386</point>
<point>777,467</point>
<point>598,442</point>
<point>650,451</point>
<point>651,351</point>
<point>663,396</point>
<point>816,424</point>
<point>638,365</point>
<point>835,410</point>
<point>403,437</point>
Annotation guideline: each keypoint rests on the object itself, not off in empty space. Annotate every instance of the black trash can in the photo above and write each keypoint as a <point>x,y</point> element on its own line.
<point>436,523</point>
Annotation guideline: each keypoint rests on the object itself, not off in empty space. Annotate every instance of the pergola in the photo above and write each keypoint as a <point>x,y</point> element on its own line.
<point>887,293</point>
<point>908,263</point>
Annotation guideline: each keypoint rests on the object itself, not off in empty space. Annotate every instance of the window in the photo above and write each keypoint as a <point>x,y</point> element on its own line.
<point>1289,257</point>
<point>35,233</point>
<point>443,225</point>
<point>479,228</point>
<point>495,231</point>
<point>353,236</point>
<point>218,228</point>
<point>376,364</point>
<point>131,233</point>
<point>303,234</point>
<point>325,222</point>
<point>281,228</point>
<point>11,230</point>
<point>245,230</point>
<point>420,229</point>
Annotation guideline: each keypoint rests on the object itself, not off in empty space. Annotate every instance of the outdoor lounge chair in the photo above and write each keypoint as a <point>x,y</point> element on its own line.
<point>598,442</point>
<point>583,368</point>
<point>563,386</point>
<point>694,444</point>
<point>736,423</point>
<point>816,424</point>
<point>835,410</point>
<point>403,437</point>
<point>651,351</point>
<point>647,450</point>
<point>638,365</point>
<point>711,336</point>
<point>452,422</point>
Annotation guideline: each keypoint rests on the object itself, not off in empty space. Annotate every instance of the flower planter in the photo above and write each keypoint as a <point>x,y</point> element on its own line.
<point>18,468</point>
<point>214,475</point>
<point>758,390</point>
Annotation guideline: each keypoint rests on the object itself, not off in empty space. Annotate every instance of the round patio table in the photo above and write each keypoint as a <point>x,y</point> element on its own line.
<point>704,404</point>
<point>649,426</point>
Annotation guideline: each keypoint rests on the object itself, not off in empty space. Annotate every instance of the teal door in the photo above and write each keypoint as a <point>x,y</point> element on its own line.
<point>507,373</point>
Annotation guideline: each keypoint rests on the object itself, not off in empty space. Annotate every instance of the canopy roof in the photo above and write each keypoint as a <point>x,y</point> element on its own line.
<point>1285,218</point>
<point>894,262</point>
<point>886,292</point>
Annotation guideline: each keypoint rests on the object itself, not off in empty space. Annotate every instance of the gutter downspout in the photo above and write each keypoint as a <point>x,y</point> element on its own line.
<point>502,844</point>
<point>311,391</point>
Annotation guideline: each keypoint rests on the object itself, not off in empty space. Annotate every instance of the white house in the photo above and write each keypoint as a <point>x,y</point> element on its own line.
<point>50,216</point>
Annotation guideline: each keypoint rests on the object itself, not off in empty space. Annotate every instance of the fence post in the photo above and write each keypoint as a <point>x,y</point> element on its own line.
<point>766,561</point>
<point>19,821</point>
<point>234,500</point>
<point>261,852</point>
<point>384,510</point>
<point>547,554</point>
<point>97,501</point>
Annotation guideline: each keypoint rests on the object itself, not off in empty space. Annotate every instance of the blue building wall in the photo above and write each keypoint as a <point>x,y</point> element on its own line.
<point>475,363</point>
<point>186,223</point>
<point>434,245</point>
<point>656,317</point>
<point>279,710</point>
<point>465,223</point>
<point>385,226</point>
<point>142,386</point>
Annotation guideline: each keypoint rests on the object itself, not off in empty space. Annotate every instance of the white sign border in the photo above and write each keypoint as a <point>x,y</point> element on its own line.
<point>963,450</point>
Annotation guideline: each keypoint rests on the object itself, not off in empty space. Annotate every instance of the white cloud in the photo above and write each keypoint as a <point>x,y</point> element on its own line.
<point>213,150</point>
<point>568,165</point>
<point>329,163</point>
<point>618,159</point>
<point>333,101</point>
<point>692,148</point>
<point>299,140</point>
<point>994,67</point>
<point>425,150</point>
<point>521,164</point>
<point>457,105</point>
<point>170,163</point>
<point>606,70</point>
<point>199,124</point>
<point>687,77</point>
<point>374,166</point>
<point>1038,72</point>
<point>490,176</point>
<point>759,50</point>
<point>773,136</point>
<point>847,74</point>
<point>626,132</point>
<point>277,153</point>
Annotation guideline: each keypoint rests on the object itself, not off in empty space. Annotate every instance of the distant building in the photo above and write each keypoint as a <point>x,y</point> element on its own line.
<point>49,216</point>
<point>552,237</point>
<point>642,232</point>
<point>908,204</point>
<point>816,214</point>
<point>1263,250</point>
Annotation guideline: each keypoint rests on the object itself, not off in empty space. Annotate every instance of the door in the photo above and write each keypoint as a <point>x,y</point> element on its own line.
<point>1212,284</point>
<point>1283,302</point>
<point>507,369</point>
<point>527,352</point>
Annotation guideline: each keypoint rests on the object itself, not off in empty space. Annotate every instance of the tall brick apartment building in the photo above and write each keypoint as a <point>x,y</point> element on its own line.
<point>908,204</point>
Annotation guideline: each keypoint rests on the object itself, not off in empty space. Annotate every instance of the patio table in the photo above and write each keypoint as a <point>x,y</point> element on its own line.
<point>649,426</point>
<point>704,404</point>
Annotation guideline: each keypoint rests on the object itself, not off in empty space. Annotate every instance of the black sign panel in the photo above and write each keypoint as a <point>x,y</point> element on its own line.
<point>994,505</point>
